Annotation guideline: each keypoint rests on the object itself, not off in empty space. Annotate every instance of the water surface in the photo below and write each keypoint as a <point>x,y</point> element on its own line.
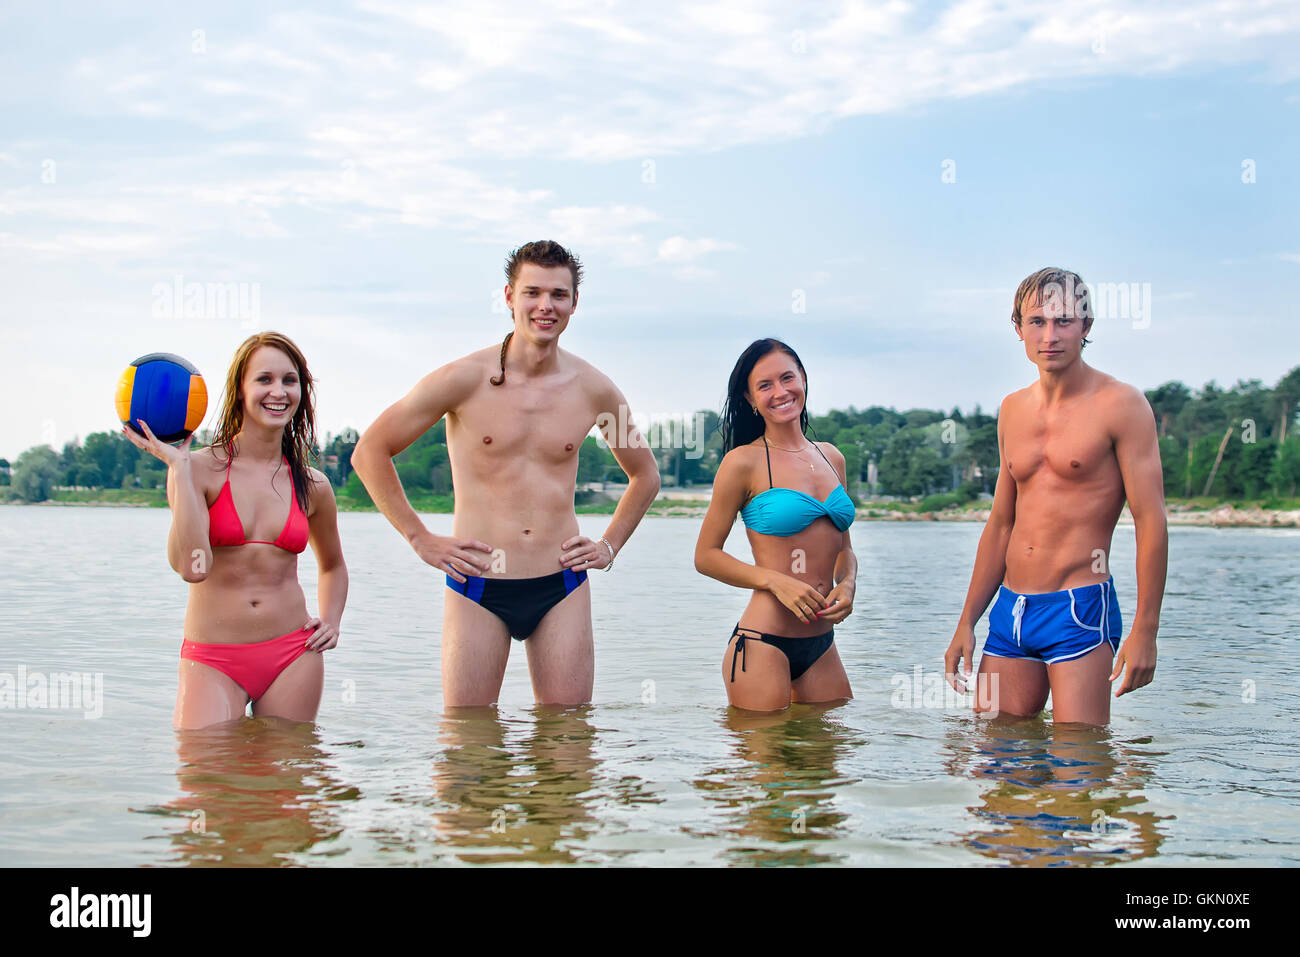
<point>1199,767</point>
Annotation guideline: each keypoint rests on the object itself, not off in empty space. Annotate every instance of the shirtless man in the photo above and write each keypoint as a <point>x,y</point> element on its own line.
<point>1073,446</point>
<point>515,563</point>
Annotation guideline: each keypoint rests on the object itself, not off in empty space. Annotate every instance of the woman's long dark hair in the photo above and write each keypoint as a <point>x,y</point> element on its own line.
<point>739,423</point>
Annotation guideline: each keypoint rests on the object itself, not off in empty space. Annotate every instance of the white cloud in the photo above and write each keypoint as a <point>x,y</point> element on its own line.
<point>671,78</point>
<point>296,136</point>
<point>389,116</point>
<point>75,244</point>
<point>694,273</point>
<point>679,249</point>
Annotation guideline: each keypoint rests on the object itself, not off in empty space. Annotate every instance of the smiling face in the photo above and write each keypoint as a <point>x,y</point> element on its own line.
<point>542,299</point>
<point>272,389</point>
<point>1053,327</point>
<point>777,388</point>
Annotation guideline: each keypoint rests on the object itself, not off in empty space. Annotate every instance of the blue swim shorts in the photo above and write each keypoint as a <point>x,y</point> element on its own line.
<point>1055,626</point>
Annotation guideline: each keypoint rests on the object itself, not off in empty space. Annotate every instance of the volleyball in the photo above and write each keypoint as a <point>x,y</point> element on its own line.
<point>165,391</point>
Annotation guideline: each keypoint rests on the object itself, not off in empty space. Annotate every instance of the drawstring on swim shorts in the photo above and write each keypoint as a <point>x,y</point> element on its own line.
<point>1017,616</point>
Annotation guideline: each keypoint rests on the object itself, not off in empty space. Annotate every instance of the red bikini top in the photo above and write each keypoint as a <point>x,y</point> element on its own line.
<point>225,529</point>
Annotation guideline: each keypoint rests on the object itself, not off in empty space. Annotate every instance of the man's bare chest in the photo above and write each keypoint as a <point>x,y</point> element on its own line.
<point>522,424</point>
<point>1065,446</point>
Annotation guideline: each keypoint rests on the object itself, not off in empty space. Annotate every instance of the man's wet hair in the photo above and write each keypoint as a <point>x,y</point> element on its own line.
<point>543,252</point>
<point>1061,284</point>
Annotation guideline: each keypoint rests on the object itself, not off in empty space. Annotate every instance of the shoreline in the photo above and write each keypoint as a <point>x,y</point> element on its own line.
<point>1220,516</point>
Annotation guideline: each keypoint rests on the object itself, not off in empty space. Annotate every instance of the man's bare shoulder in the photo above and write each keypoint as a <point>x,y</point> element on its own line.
<point>592,380</point>
<point>459,377</point>
<point>477,362</point>
<point>581,367</point>
<point>1014,402</point>
<point>1125,403</point>
<point>1113,390</point>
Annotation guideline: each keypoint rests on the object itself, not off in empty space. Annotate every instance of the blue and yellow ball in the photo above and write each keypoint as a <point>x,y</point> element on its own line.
<point>164,390</point>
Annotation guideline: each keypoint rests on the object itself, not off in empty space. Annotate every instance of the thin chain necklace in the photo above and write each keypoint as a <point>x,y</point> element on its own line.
<point>812,466</point>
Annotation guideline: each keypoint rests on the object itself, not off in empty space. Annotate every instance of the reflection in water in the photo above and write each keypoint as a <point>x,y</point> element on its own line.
<point>254,793</point>
<point>777,794</point>
<point>507,793</point>
<point>1060,793</point>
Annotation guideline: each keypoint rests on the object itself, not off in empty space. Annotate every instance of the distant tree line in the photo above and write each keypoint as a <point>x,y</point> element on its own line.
<point>1240,442</point>
<point>1229,443</point>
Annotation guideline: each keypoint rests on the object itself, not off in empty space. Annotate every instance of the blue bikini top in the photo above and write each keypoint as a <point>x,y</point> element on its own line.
<point>785,511</point>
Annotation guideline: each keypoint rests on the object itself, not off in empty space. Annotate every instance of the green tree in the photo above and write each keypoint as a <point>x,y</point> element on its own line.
<point>708,442</point>
<point>36,473</point>
<point>67,463</point>
<point>414,475</point>
<point>946,439</point>
<point>356,491</point>
<point>879,415</point>
<point>594,462</point>
<point>1203,458</point>
<point>853,465</point>
<point>1286,399</point>
<point>928,472</point>
<point>128,458</point>
<point>1166,402</point>
<point>895,465</point>
<point>87,475</point>
<point>680,465</point>
<point>151,473</point>
<point>1250,470</point>
<point>1284,473</point>
<point>1206,414</point>
<point>339,446</point>
<point>982,452</point>
<point>439,465</point>
<point>1249,402</point>
<point>854,443</point>
<point>910,467</point>
<point>1173,463</point>
<point>919,418</point>
<point>100,453</point>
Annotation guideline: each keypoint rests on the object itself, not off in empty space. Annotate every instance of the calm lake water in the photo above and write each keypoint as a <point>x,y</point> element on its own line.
<point>1200,767</point>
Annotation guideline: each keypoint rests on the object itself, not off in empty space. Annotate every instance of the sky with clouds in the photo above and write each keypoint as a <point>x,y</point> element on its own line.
<point>869,181</point>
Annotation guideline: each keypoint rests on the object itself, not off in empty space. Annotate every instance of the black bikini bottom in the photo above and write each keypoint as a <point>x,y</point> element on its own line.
<point>802,653</point>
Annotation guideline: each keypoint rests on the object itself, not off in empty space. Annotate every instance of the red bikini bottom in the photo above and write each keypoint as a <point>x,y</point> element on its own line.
<point>253,665</point>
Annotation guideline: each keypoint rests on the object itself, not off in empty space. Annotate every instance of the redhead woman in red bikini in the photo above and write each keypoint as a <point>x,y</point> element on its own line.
<point>248,635</point>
